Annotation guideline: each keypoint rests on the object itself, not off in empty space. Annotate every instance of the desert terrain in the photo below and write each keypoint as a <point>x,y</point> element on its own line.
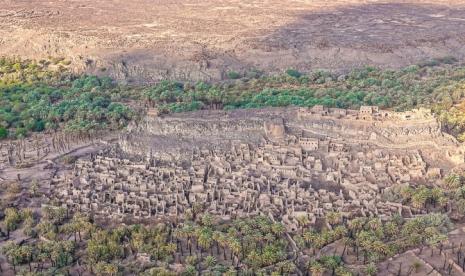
<point>232,137</point>
<point>144,41</point>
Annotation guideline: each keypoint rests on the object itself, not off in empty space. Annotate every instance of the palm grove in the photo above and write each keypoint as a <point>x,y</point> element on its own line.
<point>60,243</point>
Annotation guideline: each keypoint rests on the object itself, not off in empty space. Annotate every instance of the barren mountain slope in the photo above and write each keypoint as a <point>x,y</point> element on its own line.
<point>146,40</point>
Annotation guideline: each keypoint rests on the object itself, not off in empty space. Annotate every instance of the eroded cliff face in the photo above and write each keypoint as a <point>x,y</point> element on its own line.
<point>179,134</point>
<point>144,41</point>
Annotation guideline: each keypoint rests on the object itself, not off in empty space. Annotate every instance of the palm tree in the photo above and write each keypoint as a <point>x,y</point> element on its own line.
<point>356,224</point>
<point>204,238</point>
<point>190,271</point>
<point>453,181</point>
<point>303,221</point>
<point>374,224</point>
<point>137,241</point>
<point>180,234</point>
<point>278,229</point>
<point>111,269</point>
<point>320,241</point>
<point>406,193</point>
<point>436,193</point>
<point>170,248</point>
<point>460,193</point>
<point>42,257</point>
<point>419,200</point>
<point>209,262</point>
<point>264,224</point>
<point>231,272</point>
<point>433,237</point>
<point>391,229</point>
<point>286,267</point>
<point>12,252</point>
<point>270,255</point>
<point>309,238</point>
<point>11,220</point>
<point>380,248</point>
<point>347,242</point>
<point>27,254</point>
<point>331,262</point>
<point>80,223</point>
<point>342,271</point>
<point>339,231</point>
<point>223,241</point>
<point>364,241</point>
<point>254,260</point>
<point>316,268</point>
<point>216,236</point>
<point>371,269</point>
<point>235,247</point>
<point>443,202</point>
<point>207,220</point>
<point>188,231</point>
<point>333,218</point>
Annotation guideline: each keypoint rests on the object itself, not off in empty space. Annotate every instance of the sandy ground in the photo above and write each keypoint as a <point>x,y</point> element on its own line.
<point>147,40</point>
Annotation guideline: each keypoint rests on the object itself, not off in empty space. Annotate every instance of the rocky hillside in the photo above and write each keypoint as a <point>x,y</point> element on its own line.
<point>143,41</point>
